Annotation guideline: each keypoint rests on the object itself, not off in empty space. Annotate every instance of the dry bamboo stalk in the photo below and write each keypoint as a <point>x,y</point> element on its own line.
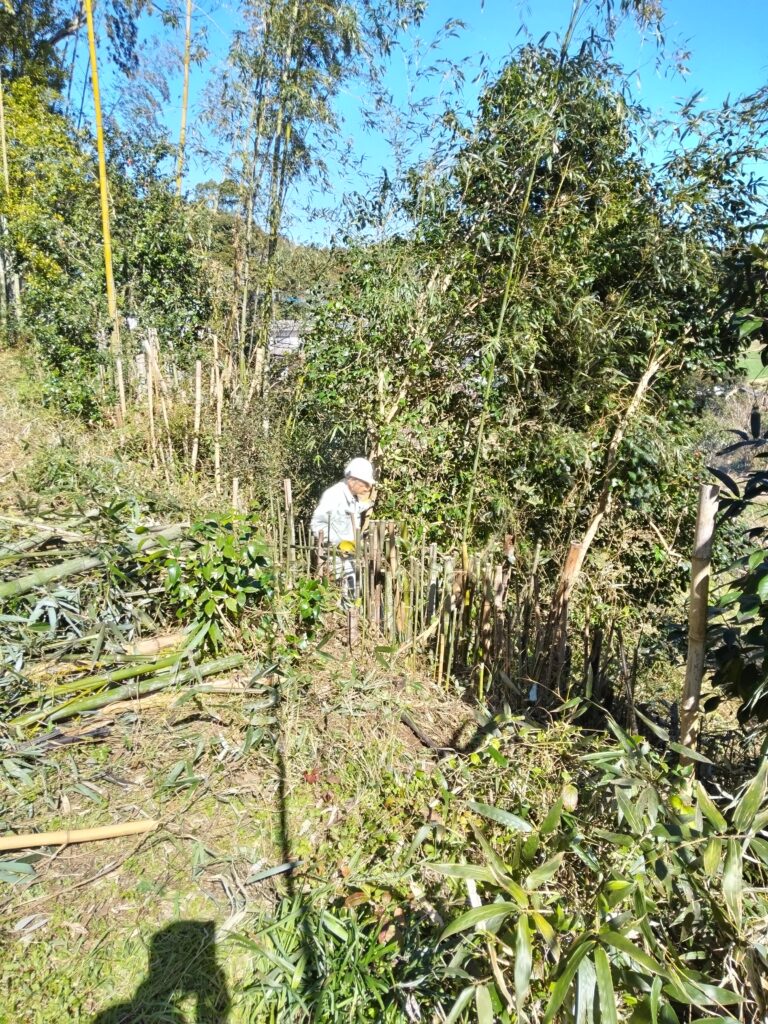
<point>150,345</point>
<point>697,613</point>
<point>198,405</point>
<point>65,837</point>
<point>217,437</point>
<point>235,493</point>
<point>120,386</point>
<point>290,551</point>
<point>151,411</point>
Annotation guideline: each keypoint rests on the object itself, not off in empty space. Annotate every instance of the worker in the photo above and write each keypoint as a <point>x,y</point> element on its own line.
<point>339,517</point>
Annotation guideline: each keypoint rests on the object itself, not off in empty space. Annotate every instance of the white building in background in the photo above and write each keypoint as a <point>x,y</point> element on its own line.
<point>285,338</point>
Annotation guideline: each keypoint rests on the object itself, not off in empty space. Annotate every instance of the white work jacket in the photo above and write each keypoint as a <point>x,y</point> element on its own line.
<point>338,515</point>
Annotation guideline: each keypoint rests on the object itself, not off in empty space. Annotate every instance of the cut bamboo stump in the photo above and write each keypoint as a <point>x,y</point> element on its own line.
<point>65,837</point>
<point>697,614</point>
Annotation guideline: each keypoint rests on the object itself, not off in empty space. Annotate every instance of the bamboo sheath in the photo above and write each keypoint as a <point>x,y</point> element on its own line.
<point>65,837</point>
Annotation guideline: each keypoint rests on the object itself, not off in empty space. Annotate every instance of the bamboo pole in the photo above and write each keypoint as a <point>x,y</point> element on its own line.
<point>103,187</point>
<point>697,613</point>
<point>198,404</point>
<point>151,409</point>
<point>42,577</point>
<point>64,837</point>
<point>184,97</point>
<point>120,386</point>
<point>217,437</point>
<point>290,538</point>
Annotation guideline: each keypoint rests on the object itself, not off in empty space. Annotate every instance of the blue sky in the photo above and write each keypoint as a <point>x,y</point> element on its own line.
<point>727,45</point>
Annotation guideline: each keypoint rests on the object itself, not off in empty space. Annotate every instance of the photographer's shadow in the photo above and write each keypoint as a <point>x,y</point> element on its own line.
<point>182,963</point>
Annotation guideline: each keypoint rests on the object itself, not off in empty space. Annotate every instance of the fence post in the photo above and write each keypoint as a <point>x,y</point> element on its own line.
<point>697,614</point>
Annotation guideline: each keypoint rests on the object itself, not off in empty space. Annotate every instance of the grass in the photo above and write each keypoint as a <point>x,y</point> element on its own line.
<point>238,790</point>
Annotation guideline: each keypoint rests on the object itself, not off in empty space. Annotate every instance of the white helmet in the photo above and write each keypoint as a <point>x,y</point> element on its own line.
<point>360,469</point>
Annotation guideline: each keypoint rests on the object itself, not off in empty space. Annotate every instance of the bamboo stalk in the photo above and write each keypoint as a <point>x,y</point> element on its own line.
<point>73,566</point>
<point>184,97</point>
<point>697,613</point>
<point>217,441</point>
<point>103,188</point>
<point>235,493</point>
<point>290,539</point>
<point>65,837</point>
<point>92,682</point>
<point>151,410</point>
<point>198,405</point>
<point>120,386</point>
<point>150,344</point>
<point>136,690</point>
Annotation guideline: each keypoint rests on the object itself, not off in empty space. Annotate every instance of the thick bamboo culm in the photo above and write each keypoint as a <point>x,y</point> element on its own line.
<point>697,612</point>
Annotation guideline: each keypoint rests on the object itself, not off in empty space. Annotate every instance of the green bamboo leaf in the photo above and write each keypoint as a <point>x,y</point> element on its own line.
<point>760,848</point>
<point>605,991</point>
<point>625,945</point>
<point>732,880</point>
<point>543,927</point>
<point>684,751</point>
<point>502,817</point>
<point>523,961</point>
<point>552,819</point>
<point>655,999</point>
<point>334,926</point>
<point>752,799</point>
<point>545,872</point>
<point>483,1005</point>
<point>479,915</point>
<point>713,851</point>
<point>563,983</point>
<point>12,871</point>
<point>461,1001</point>
<point>474,871</point>
<point>709,809</point>
<point>585,992</point>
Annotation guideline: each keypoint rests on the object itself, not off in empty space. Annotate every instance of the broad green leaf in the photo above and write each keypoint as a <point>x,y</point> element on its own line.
<point>605,991</point>
<point>12,871</point>
<point>713,851</point>
<point>655,999</point>
<point>752,799</point>
<point>563,983</point>
<point>484,1005</point>
<point>523,961</point>
<point>694,755</point>
<point>732,882</point>
<point>334,926</point>
<point>628,812</point>
<point>461,1001</point>
<point>502,817</point>
<point>709,809</point>
<point>479,915</point>
<point>760,848</point>
<point>585,992</point>
<point>475,871</point>
<point>544,872</point>
<point>621,942</point>
<point>543,927</point>
<point>552,819</point>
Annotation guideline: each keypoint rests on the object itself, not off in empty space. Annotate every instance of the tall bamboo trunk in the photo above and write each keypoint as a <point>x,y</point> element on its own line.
<point>184,97</point>
<point>103,187</point>
<point>6,257</point>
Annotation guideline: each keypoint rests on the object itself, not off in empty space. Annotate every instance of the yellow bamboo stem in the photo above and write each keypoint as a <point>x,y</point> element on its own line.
<point>76,835</point>
<point>111,294</point>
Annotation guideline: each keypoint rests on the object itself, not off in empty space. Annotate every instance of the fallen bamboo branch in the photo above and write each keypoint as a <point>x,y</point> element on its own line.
<point>65,837</point>
<point>94,682</point>
<point>74,566</point>
<point>135,690</point>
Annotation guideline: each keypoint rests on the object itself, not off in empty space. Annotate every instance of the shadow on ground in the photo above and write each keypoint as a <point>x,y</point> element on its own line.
<point>182,963</point>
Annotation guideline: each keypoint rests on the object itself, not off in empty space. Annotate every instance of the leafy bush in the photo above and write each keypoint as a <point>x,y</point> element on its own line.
<point>563,877</point>
<point>212,574</point>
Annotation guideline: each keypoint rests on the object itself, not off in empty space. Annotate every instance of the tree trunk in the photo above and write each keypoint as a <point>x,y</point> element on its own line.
<point>697,613</point>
